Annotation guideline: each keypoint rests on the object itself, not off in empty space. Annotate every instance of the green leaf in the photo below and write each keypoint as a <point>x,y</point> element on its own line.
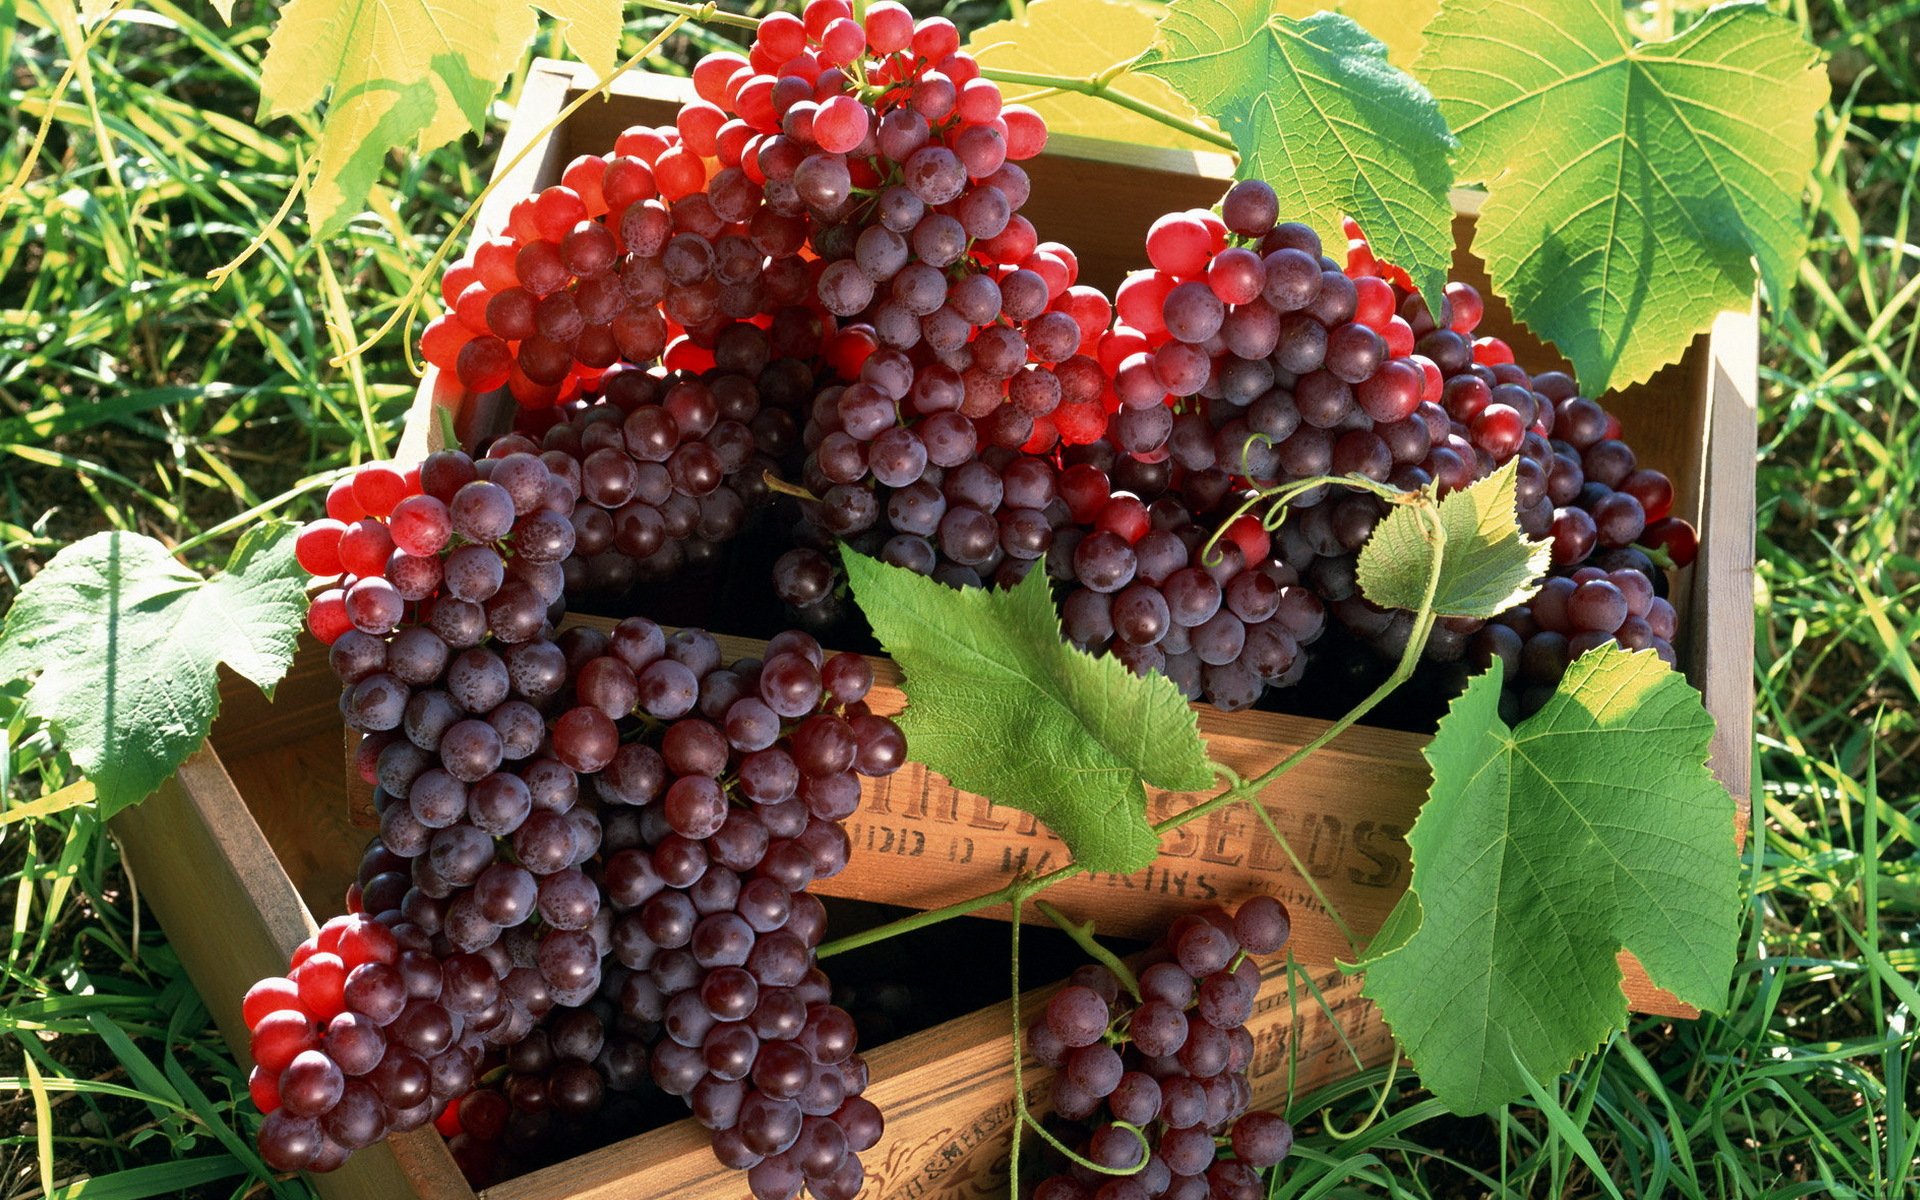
<point>1316,110</point>
<point>1401,24</point>
<point>1487,564</point>
<point>400,72</point>
<point>1632,186</point>
<point>120,645</point>
<point>1541,852</point>
<point>1079,39</point>
<point>1001,706</point>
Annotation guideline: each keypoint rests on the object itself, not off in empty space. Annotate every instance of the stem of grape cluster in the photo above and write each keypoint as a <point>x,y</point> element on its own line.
<point>1082,934</point>
<point>705,14</point>
<point>1237,790</point>
<point>1100,86</point>
<point>1022,1118</point>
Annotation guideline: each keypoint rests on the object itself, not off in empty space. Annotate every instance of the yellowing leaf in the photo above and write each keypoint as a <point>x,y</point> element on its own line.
<point>1487,564</point>
<point>1632,185</point>
<point>1080,39</point>
<point>592,30</point>
<point>400,72</point>
<point>1401,24</point>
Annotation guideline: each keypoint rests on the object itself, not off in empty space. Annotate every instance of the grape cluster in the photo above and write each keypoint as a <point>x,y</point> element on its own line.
<point>357,1041</point>
<point>583,838</point>
<point>1245,358</point>
<point>714,929</point>
<point>671,465</point>
<point>624,903</point>
<point>881,133</point>
<point>1152,1086</point>
<point>637,256</point>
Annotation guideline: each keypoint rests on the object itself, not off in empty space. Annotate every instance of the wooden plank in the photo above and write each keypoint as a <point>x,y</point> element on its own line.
<point>947,1093</point>
<point>233,916</point>
<point>1720,629</point>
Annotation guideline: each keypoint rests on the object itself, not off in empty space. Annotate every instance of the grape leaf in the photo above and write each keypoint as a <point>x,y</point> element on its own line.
<point>1632,186</point>
<point>1002,707</point>
<point>1401,24</point>
<point>1488,564</point>
<point>120,644</point>
<point>1540,853</point>
<point>1079,39</point>
<point>400,72</point>
<point>1316,110</point>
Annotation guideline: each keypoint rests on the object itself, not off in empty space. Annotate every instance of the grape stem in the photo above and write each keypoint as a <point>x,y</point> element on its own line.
<point>1022,1116</point>
<point>705,14</point>
<point>1100,87</point>
<point>449,435</point>
<point>777,484</point>
<point>1238,789</point>
<point>1661,556</point>
<point>1082,934</point>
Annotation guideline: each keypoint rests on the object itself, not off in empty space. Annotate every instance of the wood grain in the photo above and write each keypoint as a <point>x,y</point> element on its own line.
<point>947,1093</point>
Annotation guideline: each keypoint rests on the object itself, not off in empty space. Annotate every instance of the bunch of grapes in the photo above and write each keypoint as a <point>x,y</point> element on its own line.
<point>623,904</point>
<point>1153,1086</point>
<point>882,135</point>
<point>725,824</point>
<point>671,465</point>
<point>355,1042</point>
<point>1245,358</point>
<point>515,927</point>
<point>642,255</point>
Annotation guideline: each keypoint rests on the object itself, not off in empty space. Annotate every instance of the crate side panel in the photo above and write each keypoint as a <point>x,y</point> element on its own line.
<point>947,1094</point>
<point>1720,631</point>
<point>232,916</point>
<point>296,797</point>
<point>284,758</point>
<point>199,861</point>
<point>1345,811</point>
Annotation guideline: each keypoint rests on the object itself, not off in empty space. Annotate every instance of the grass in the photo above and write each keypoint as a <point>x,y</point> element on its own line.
<point>136,393</point>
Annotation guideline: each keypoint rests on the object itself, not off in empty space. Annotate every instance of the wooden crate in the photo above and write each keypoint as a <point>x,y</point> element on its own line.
<point>248,846</point>
<point>1347,809</point>
<point>251,839</point>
